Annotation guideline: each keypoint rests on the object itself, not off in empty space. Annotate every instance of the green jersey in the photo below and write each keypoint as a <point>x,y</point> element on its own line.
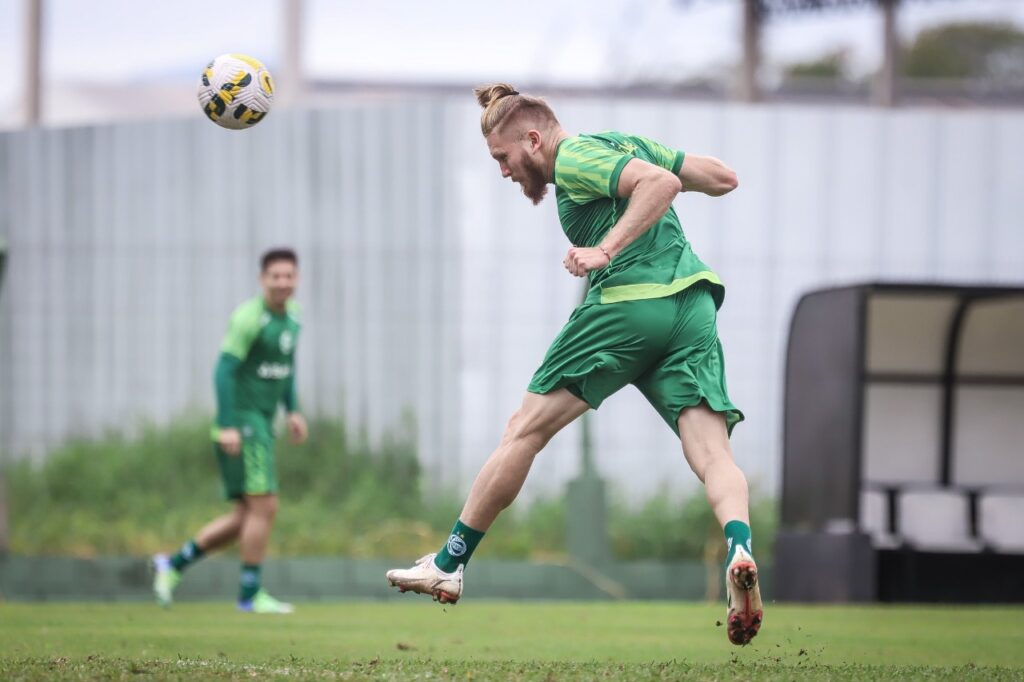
<point>264,342</point>
<point>660,262</point>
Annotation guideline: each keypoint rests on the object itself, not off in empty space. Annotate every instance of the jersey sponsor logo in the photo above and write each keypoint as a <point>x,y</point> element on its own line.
<point>273,370</point>
<point>287,342</point>
<point>456,545</point>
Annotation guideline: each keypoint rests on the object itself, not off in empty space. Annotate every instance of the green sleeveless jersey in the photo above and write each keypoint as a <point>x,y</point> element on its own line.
<point>265,344</point>
<point>660,262</point>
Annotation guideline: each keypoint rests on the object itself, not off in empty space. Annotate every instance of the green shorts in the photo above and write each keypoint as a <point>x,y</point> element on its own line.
<point>252,471</point>
<point>666,347</point>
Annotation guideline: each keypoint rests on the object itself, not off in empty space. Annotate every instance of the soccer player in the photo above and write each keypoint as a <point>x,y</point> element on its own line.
<point>648,319</point>
<point>255,373</point>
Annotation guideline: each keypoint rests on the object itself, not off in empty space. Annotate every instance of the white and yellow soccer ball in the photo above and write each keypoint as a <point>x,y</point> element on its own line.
<point>236,91</point>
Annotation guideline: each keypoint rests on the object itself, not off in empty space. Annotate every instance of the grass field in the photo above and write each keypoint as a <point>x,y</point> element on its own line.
<point>504,640</point>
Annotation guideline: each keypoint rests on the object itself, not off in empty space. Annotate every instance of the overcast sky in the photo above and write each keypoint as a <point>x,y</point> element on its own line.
<point>540,41</point>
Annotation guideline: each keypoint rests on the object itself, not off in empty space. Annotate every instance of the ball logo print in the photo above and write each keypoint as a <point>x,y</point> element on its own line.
<point>456,545</point>
<point>235,91</point>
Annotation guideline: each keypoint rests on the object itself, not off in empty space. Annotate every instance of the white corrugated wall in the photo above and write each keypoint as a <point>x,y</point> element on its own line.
<point>431,286</point>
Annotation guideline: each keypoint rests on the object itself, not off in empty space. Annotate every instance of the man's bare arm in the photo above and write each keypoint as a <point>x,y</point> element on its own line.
<point>707,175</point>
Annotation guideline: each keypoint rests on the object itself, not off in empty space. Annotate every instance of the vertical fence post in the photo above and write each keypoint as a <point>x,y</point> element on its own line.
<point>3,451</point>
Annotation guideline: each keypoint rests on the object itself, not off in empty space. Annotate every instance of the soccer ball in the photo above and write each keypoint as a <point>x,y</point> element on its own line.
<point>236,91</point>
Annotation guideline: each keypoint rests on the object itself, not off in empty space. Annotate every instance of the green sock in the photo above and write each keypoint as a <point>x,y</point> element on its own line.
<point>249,582</point>
<point>189,553</point>
<point>737,533</point>
<point>460,546</point>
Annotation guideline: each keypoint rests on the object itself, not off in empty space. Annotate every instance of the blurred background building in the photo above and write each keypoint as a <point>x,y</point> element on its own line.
<point>873,141</point>
<point>116,59</point>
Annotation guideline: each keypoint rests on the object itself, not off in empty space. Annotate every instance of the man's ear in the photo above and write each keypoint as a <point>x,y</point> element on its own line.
<point>535,138</point>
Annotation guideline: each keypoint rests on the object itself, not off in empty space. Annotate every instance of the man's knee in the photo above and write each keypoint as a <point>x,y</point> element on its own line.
<point>510,426</point>
<point>540,417</point>
<point>528,427</point>
<point>264,506</point>
<point>704,460</point>
<point>704,438</point>
<point>238,515</point>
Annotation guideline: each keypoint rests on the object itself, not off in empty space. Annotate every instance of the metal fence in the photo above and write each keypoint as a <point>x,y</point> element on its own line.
<point>430,286</point>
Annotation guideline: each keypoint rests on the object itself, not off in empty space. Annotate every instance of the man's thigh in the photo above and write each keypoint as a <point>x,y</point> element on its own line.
<point>546,413</point>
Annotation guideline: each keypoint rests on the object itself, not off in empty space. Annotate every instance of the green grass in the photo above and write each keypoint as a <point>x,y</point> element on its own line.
<point>417,639</point>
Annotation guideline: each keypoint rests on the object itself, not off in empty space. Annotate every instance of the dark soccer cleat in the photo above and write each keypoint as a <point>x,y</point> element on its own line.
<point>744,614</point>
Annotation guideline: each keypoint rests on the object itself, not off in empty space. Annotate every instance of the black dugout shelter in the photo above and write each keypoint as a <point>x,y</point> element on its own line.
<point>903,446</point>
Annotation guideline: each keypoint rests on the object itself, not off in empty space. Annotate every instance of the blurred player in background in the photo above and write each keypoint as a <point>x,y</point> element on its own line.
<point>255,373</point>
<point>649,319</point>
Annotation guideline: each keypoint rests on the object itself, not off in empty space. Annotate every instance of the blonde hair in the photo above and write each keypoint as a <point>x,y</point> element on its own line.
<point>503,103</point>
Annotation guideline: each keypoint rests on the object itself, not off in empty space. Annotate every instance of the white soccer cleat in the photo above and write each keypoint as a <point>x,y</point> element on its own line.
<point>263,603</point>
<point>744,612</point>
<point>165,579</point>
<point>426,578</point>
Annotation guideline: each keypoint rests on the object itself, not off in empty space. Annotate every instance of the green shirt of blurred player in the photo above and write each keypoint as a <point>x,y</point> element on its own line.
<point>255,374</point>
